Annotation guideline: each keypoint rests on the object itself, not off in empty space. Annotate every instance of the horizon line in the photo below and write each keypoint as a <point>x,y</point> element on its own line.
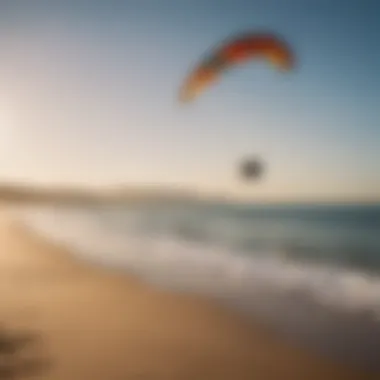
<point>119,192</point>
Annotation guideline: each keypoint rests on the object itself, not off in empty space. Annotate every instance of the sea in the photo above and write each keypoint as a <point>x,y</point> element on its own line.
<point>311,272</point>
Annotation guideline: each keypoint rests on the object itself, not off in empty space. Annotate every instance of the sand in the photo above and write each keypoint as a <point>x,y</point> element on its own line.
<point>95,323</point>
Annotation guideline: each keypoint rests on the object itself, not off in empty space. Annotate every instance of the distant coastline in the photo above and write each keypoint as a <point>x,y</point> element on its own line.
<point>30,193</point>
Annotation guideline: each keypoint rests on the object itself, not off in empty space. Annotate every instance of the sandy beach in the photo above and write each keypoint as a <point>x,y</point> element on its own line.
<point>97,324</point>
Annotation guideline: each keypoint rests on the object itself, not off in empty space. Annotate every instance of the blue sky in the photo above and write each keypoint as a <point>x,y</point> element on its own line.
<point>89,92</point>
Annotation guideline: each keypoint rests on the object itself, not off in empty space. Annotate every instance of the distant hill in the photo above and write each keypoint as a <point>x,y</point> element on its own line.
<point>25,193</point>
<point>29,193</point>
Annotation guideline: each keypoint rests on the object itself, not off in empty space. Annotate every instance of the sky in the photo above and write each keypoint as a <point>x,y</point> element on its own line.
<point>89,96</point>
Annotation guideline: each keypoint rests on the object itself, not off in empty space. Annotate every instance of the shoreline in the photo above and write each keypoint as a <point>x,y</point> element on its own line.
<point>89,314</point>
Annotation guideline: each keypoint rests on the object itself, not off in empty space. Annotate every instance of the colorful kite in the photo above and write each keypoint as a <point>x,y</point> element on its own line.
<point>232,52</point>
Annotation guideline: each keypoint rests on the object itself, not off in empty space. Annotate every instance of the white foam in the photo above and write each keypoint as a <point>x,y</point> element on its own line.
<point>210,269</point>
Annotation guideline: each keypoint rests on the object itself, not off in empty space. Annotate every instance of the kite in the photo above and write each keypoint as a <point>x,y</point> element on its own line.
<point>236,51</point>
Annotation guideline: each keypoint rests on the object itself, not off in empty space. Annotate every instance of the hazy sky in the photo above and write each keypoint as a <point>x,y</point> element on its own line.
<point>88,95</point>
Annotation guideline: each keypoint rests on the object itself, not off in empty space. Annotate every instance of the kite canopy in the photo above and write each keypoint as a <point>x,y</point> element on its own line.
<point>237,50</point>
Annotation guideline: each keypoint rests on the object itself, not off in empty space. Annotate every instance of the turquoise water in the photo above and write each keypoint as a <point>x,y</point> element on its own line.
<point>311,271</point>
<point>335,235</point>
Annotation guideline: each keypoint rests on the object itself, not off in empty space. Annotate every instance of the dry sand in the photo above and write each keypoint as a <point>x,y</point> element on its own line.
<point>97,324</point>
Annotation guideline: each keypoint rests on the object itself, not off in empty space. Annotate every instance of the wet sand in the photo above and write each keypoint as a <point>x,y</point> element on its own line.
<point>95,324</point>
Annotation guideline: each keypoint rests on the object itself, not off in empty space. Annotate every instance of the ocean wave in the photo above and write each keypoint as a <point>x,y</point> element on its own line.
<point>180,262</point>
<point>308,299</point>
